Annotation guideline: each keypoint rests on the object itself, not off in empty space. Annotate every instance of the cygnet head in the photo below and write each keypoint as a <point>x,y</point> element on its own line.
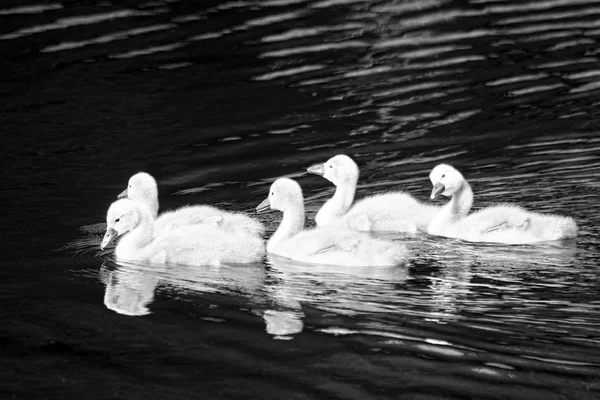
<point>337,170</point>
<point>141,187</point>
<point>284,194</point>
<point>122,216</point>
<point>446,180</point>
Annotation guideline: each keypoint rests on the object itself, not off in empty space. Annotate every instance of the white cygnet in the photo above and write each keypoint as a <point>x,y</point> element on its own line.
<point>142,188</point>
<point>201,244</point>
<point>385,212</point>
<point>504,223</point>
<point>332,245</point>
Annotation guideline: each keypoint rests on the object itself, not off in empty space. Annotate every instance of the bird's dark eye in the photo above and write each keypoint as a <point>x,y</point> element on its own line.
<point>331,166</point>
<point>443,175</point>
<point>117,220</point>
<point>272,193</point>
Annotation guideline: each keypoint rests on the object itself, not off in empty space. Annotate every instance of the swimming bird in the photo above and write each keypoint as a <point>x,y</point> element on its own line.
<point>503,223</point>
<point>142,188</point>
<point>331,245</point>
<point>200,244</point>
<point>392,211</point>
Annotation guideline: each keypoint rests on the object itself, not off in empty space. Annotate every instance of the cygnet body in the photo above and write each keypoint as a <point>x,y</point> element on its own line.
<point>193,245</point>
<point>142,188</point>
<point>504,223</point>
<point>385,212</point>
<point>331,245</point>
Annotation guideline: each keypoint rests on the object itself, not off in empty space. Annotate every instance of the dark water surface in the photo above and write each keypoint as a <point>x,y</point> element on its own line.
<point>217,99</point>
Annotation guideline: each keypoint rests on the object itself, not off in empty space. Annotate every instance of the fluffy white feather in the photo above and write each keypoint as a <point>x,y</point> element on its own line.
<point>332,245</point>
<point>503,223</point>
<point>389,212</point>
<point>143,189</point>
<point>193,245</point>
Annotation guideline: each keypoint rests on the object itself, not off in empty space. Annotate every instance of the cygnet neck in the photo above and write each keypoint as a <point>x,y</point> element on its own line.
<point>151,201</point>
<point>291,224</point>
<point>339,204</point>
<point>139,238</point>
<point>462,201</point>
<point>457,208</point>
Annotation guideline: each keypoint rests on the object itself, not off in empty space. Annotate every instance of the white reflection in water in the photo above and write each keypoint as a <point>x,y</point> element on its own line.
<point>120,35</point>
<point>271,19</point>
<point>288,72</point>
<point>30,9</point>
<point>403,7</point>
<point>407,40</point>
<point>68,22</point>
<point>519,78</point>
<point>535,89</point>
<point>329,3</point>
<point>534,6</point>
<point>300,33</point>
<point>560,26</point>
<point>129,289</point>
<point>348,290</point>
<point>436,18</point>
<point>315,48</point>
<point>279,3</point>
<point>149,50</point>
<point>282,324</point>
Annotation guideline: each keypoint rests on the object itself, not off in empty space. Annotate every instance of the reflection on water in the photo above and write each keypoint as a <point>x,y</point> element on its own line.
<point>217,99</point>
<point>129,290</point>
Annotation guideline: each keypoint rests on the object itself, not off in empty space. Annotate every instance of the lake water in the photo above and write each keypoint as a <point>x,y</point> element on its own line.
<point>218,99</point>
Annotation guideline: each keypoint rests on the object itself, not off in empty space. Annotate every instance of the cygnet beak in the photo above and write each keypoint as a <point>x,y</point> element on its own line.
<point>123,194</point>
<point>317,169</point>
<point>108,237</point>
<point>264,206</point>
<point>438,189</point>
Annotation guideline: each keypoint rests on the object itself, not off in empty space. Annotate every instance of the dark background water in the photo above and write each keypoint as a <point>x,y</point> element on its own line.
<point>217,99</point>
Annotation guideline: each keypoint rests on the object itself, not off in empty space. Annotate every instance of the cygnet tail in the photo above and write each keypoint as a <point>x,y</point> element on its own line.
<point>565,228</point>
<point>547,227</point>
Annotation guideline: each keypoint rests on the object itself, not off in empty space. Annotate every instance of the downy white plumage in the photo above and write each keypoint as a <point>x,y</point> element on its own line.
<point>334,245</point>
<point>143,189</point>
<point>503,223</point>
<point>200,244</point>
<point>391,212</point>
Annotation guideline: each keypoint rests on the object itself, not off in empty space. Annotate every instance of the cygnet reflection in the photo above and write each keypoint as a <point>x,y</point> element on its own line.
<point>283,324</point>
<point>129,289</point>
<point>130,286</point>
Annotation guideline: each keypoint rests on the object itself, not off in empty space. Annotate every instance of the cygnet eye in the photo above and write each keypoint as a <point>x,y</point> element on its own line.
<point>117,220</point>
<point>443,175</point>
<point>272,193</point>
<point>330,166</point>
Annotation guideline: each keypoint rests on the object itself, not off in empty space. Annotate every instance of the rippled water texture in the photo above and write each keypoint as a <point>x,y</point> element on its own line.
<point>216,100</point>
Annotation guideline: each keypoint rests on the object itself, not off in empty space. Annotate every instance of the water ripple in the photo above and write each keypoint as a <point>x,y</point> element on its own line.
<point>121,35</point>
<point>30,9</point>
<point>315,48</point>
<point>69,22</point>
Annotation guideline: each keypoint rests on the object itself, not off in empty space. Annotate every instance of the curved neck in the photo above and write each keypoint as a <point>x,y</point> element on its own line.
<point>457,208</point>
<point>152,204</point>
<point>291,224</point>
<point>462,201</point>
<point>339,204</point>
<point>134,242</point>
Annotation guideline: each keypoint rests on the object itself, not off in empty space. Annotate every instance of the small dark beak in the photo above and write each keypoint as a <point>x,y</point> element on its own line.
<point>108,237</point>
<point>123,194</point>
<point>317,169</point>
<point>438,189</point>
<point>264,206</point>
